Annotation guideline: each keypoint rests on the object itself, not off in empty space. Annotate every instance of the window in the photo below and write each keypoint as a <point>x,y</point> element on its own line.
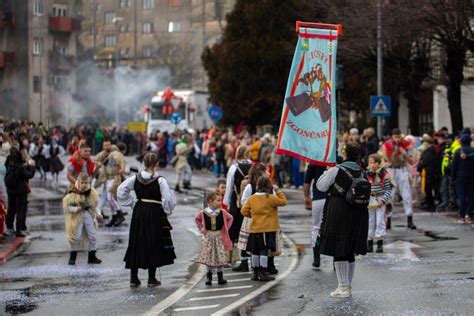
<point>109,17</point>
<point>174,26</point>
<point>60,84</point>
<point>148,4</point>
<point>110,40</point>
<point>36,84</point>
<point>147,27</point>
<point>124,28</point>
<point>148,51</point>
<point>60,47</point>
<point>37,46</point>
<point>37,8</point>
<point>125,3</point>
<point>174,3</point>
<point>59,9</point>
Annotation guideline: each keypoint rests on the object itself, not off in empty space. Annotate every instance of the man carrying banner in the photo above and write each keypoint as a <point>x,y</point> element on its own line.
<point>396,152</point>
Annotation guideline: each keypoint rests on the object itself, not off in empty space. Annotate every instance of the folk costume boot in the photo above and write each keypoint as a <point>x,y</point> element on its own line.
<point>112,222</point>
<point>255,274</point>
<point>389,223</point>
<point>187,185</point>
<point>370,245</point>
<point>316,256</point>
<point>120,218</point>
<point>134,280</point>
<point>410,222</point>
<point>92,259</point>
<point>242,267</point>
<point>220,278</point>
<point>271,266</point>
<point>152,281</point>
<point>72,258</point>
<point>264,275</point>
<point>177,189</point>
<point>379,246</point>
<point>209,278</point>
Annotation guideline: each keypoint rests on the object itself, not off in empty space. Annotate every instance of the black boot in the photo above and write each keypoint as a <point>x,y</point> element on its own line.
<point>370,246</point>
<point>152,281</point>
<point>379,246</point>
<point>410,222</point>
<point>112,221</point>
<point>177,189</point>
<point>134,280</point>
<point>242,267</point>
<point>93,259</point>
<point>72,258</point>
<point>209,278</point>
<point>120,218</point>
<point>255,273</point>
<point>271,266</point>
<point>388,210</point>
<point>187,185</point>
<point>220,278</point>
<point>105,216</point>
<point>264,275</point>
<point>389,223</point>
<point>316,256</point>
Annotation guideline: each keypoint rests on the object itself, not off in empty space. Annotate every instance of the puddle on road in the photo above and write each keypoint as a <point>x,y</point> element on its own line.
<point>433,235</point>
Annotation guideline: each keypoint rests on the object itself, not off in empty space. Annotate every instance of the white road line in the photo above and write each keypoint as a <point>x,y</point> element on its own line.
<point>238,273</point>
<point>195,308</point>
<point>225,288</point>
<point>213,297</point>
<point>195,231</point>
<point>183,289</point>
<point>238,280</point>
<point>264,287</point>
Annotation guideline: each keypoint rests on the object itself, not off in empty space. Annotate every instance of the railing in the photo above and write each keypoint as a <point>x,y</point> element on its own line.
<point>63,24</point>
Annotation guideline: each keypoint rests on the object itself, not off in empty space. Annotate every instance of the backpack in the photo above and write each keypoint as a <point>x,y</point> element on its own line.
<point>243,184</point>
<point>358,193</point>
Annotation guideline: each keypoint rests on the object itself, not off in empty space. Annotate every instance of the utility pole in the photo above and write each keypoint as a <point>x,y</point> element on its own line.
<point>40,31</point>
<point>94,31</point>
<point>135,32</point>
<point>380,120</point>
<point>203,20</point>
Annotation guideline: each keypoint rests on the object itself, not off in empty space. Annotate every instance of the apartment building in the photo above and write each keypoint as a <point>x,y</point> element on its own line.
<point>38,45</point>
<point>149,33</point>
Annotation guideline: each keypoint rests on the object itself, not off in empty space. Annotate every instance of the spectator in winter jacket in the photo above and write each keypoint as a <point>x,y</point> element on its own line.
<point>428,168</point>
<point>462,172</point>
<point>20,168</point>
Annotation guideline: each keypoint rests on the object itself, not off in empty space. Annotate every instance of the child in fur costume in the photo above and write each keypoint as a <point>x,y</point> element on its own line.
<point>214,222</point>
<point>80,208</point>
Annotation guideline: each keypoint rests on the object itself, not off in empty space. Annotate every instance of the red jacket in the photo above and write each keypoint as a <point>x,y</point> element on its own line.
<point>78,162</point>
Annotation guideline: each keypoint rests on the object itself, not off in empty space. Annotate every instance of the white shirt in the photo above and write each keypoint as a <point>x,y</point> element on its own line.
<point>327,179</point>
<point>211,212</point>
<point>167,197</point>
<point>229,187</point>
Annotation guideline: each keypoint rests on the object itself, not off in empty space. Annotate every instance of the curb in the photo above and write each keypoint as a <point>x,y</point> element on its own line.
<point>18,246</point>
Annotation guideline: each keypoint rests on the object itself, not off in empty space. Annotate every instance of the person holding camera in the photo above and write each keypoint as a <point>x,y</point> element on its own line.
<point>80,208</point>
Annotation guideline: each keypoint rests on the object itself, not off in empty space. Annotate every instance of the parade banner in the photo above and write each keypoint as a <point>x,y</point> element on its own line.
<point>308,121</point>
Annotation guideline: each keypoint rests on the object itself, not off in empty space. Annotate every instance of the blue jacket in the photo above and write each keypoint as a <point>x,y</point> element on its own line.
<point>463,167</point>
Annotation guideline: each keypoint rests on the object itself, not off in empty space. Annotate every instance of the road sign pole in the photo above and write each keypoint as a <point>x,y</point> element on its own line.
<point>379,65</point>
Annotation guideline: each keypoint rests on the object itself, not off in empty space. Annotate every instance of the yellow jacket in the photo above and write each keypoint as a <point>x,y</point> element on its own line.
<point>263,209</point>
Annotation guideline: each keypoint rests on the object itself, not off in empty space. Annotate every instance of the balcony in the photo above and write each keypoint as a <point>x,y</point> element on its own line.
<point>61,63</point>
<point>7,18</point>
<point>63,24</point>
<point>7,58</point>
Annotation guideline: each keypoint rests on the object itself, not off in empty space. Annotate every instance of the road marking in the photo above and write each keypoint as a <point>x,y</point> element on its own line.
<point>225,288</point>
<point>406,249</point>
<point>265,287</point>
<point>182,291</point>
<point>195,231</point>
<point>195,308</point>
<point>238,273</point>
<point>239,280</point>
<point>213,297</point>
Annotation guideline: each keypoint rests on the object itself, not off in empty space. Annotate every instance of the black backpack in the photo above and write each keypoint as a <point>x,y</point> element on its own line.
<point>358,193</point>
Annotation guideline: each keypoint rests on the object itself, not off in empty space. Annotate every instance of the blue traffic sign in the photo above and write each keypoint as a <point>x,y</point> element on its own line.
<point>380,105</point>
<point>215,113</point>
<point>175,118</point>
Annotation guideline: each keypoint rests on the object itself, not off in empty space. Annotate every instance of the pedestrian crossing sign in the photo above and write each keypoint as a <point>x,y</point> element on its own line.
<point>380,105</point>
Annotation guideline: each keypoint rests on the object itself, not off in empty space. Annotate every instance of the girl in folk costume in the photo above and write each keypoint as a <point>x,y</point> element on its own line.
<point>80,207</point>
<point>236,174</point>
<point>56,151</point>
<point>214,222</point>
<point>381,190</point>
<point>150,245</point>
<point>250,188</point>
<point>262,207</point>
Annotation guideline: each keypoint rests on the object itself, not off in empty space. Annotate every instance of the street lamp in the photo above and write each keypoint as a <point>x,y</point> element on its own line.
<point>117,107</point>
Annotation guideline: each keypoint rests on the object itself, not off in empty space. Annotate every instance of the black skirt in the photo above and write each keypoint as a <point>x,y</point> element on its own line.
<point>150,244</point>
<point>260,241</point>
<point>344,228</point>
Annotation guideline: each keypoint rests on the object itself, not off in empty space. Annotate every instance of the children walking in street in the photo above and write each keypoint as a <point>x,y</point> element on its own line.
<point>262,207</point>
<point>80,208</point>
<point>381,189</point>
<point>214,223</point>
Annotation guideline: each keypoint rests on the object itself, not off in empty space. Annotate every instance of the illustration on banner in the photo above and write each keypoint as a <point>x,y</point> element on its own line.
<point>318,99</point>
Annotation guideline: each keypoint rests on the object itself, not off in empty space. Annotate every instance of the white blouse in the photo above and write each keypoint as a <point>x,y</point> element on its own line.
<point>327,179</point>
<point>167,196</point>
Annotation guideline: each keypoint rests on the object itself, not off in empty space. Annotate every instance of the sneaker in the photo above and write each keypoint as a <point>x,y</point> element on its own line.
<point>342,293</point>
<point>9,232</point>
